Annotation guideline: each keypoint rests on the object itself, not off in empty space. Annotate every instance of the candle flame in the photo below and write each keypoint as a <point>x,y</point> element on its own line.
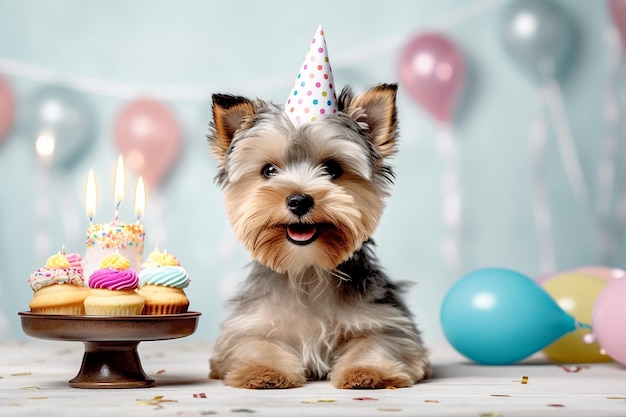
<point>91,195</point>
<point>140,198</point>
<point>120,181</point>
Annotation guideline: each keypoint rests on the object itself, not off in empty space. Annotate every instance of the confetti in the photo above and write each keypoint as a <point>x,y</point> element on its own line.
<point>31,387</point>
<point>431,401</point>
<point>490,415</point>
<point>616,398</point>
<point>242,410</point>
<point>365,399</point>
<point>389,409</point>
<point>22,374</point>
<point>199,395</point>
<point>320,400</point>
<point>500,395</point>
<point>37,398</point>
<point>556,405</point>
<point>524,379</point>
<point>574,368</point>
<point>156,401</point>
<point>160,371</point>
<point>391,387</point>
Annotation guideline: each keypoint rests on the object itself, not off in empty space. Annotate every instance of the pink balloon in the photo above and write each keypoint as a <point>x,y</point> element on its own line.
<point>7,108</point>
<point>149,138</point>
<point>606,273</point>
<point>618,12</point>
<point>609,316</point>
<point>433,70</point>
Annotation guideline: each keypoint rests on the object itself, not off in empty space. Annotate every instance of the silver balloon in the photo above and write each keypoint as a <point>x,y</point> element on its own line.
<point>64,115</point>
<point>540,36</point>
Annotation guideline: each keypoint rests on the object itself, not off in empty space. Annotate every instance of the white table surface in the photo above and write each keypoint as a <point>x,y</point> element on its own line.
<point>34,375</point>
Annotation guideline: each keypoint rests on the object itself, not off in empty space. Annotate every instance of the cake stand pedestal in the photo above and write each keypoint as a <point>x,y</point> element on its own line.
<point>110,359</point>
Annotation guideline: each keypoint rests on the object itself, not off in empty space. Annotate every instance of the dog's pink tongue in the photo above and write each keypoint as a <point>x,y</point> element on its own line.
<point>300,233</point>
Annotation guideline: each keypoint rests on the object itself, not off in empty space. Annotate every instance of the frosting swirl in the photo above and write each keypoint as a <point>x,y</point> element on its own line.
<point>167,276</point>
<point>158,258</point>
<point>115,261</point>
<point>58,270</point>
<point>76,261</point>
<point>57,261</point>
<point>114,279</point>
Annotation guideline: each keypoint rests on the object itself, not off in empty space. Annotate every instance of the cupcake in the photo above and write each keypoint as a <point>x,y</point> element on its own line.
<point>112,289</point>
<point>58,288</point>
<point>161,283</point>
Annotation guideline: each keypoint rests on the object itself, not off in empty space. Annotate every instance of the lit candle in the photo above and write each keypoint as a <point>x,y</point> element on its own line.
<point>140,198</point>
<point>91,195</point>
<point>120,185</point>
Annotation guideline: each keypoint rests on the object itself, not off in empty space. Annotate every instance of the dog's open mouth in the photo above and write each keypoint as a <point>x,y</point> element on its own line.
<point>302,234</point>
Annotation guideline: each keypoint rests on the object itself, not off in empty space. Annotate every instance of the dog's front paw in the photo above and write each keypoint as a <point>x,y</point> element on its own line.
<point>369,377</point>
<point>262,377</point>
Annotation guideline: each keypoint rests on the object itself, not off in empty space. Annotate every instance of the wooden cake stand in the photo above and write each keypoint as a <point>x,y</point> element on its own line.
<point>110,359</point>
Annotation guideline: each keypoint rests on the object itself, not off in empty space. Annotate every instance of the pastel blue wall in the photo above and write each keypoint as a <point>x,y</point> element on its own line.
<point>255,49</point>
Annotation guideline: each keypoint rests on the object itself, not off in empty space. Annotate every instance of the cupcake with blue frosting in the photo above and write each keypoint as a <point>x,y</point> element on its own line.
<point>162,281</point>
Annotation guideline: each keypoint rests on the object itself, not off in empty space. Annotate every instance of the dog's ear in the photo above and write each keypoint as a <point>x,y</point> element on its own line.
<point>229,114</point>
<point>377,108</point>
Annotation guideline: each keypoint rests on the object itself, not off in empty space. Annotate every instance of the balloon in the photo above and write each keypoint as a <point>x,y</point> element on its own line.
<point>498,316</point>
<point>576,294</point>
<point>609,316</point>
<point>603,272</point>
<point>64,114</point>
<point>433,70</point>
<point>540,36</point>
<point>617,9</point>
<point>7,109</point>
<point>149,137</point>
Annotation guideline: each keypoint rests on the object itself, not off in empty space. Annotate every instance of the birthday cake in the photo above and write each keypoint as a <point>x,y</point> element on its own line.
<point>126,239</point>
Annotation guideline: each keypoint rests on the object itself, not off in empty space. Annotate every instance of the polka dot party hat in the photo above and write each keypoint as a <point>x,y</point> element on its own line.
<point>313,93</point>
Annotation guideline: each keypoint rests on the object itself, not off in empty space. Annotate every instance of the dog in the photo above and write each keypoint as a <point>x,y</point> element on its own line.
<point>305,200</point>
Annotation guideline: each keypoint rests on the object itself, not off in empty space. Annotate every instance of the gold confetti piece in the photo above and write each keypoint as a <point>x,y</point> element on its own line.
<point>524,379</point>
<point>616,398</point>
<point>320,400</point>
<point>431,401</point>
<point>556,405</point>
<point>389,409</point>
<point>391,387</point>
<point>160,371</point>
<point>31,387</point>
<point>242,410</point>
<point>500,395</point>
<point>37,398</point>
<point>22,374</point>
<point>490,415</point>
<point>365,399</point>
<point>156,401</point>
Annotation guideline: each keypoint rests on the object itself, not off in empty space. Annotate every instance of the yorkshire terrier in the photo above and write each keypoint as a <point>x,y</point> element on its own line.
<point>304,201</point>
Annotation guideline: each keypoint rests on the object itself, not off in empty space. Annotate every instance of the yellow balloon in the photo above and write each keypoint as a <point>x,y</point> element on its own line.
<point>576,294</point>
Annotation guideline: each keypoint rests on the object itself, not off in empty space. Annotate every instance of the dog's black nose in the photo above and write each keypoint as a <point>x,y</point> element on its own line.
<point>300,204</point>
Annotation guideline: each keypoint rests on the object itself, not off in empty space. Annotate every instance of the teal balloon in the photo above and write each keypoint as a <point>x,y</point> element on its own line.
<point>67,115</point>
<point>540,36</point>
<point>498,317</point>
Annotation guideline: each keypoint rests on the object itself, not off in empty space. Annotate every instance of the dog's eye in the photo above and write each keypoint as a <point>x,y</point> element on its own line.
<point>268,170</point>
<point>332,168</point>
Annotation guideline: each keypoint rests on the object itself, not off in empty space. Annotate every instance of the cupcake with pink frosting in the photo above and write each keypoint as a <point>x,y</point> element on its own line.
<point>112,289</point>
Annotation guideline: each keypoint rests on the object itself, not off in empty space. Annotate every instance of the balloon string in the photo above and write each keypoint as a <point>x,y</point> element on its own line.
<point>565,142</point>
<point>541,207</point>
<point>606,168</point>
<point>451,200</point>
